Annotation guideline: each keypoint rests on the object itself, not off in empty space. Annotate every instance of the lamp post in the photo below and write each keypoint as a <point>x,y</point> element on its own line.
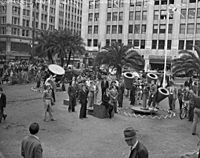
<point>165,48</point>
<point>33,29</point>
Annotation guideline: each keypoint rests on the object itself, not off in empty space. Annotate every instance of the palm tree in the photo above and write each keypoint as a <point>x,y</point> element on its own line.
<point>119,55</point>
<point>188,62</point>
<point>61,42</point>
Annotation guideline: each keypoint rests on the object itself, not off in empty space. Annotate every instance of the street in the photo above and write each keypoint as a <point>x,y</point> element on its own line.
<point>70,137</point>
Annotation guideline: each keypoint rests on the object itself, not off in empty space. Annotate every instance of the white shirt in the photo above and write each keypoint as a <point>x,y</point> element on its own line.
<point>134,146</point>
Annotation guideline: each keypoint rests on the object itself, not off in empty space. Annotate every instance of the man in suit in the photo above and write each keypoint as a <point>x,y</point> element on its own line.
<point>31,146</point>
<point>83,100</point>
<point>2,105</point>
<point>104,86</point>
<point>138,150</point>
<point>72,97</point>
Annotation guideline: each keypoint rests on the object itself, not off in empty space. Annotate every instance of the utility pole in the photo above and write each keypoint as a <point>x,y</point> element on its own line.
<point>33,28</point>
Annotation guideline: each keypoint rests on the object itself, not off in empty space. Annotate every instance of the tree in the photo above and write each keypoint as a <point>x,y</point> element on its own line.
<point>119,55</point>
<point>188,62</point>
<point>61,42</point>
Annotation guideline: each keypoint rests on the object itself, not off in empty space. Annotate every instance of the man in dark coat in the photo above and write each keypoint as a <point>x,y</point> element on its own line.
<point>72,97</point>
<point>104,86</point>
<point>2,105</point>
<point>138,150</point>
<point>31,146</point>
<point>83,95</point>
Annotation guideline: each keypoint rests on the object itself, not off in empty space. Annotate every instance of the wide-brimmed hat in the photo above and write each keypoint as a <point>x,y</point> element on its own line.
<point>129,133</point>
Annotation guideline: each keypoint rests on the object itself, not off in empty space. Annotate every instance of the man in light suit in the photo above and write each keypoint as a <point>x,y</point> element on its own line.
<point>31,146</point>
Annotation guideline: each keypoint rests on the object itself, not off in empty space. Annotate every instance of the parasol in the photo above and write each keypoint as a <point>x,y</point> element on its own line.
<point>56,69</point>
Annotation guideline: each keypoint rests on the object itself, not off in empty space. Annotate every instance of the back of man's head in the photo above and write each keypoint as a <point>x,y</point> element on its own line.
<point>34,128</point>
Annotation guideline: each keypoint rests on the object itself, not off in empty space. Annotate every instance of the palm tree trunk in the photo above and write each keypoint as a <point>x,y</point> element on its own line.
<point>119,72</point>
<point>62,61</point>
<point>69,57</point>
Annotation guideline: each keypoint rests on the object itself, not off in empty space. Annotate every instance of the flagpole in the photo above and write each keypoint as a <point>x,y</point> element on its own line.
<point>165,48</point>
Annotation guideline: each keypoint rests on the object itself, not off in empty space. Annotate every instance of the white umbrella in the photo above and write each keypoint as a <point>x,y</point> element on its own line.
<point>56,69</point>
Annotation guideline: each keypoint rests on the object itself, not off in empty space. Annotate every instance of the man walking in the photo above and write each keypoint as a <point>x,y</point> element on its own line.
<point>138,150</point>
<point>31,146</point>
<point>2,105</point>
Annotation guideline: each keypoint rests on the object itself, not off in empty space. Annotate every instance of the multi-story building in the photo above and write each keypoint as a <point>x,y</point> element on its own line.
<point>17,19</point>
<point>153,27</point>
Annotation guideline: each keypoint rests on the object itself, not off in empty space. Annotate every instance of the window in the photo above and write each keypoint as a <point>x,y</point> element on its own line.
<point>109,3</point>
<point>183,14</point>
<point>155,28</point>
<point>163,14</point>
<point>156,15</point>
<point>154,44</point>
<point>120,29</point>
<point>130,29</point>
<point>170,28</point>
<point>95,29</point>
<point>108,16</point>
<point>137,29</point>
<point>169,44</point>
<point>181,45</point>
<point>189,44</point>
<point>107,42</point>
<point>142,45</point>
<point>96,16</point>
<point>171,1</point>
<point>143,29</point>
<point>161,44</point>
<point>89,42</point>
<point>190,28</point>
<point>89,29</point>
<point>197,42</point>
<point>163,2</point>
<point>198,12</point>
<point>162,28</point>
<point>119,41</point>
<point>131,15</point>
<point>114,29</point>
<point>182,29</point>
<point>156,2</point>
<point>191,13</point>
<point>114,16</point>
<point>193,1</point>
<point>108,29</point>
<point>90,16</point>
<point>171,14</point>
<point>139,2</point>
<point>91,3</point>
<point>120,16</point>
<point>137,15</point>
<point>130,42</point>
<point>95,42</point>
<point>97,3</point>
<point>132,3</point>
<point>144,15</point>
<point>136,43</point>
<point>198,28</point>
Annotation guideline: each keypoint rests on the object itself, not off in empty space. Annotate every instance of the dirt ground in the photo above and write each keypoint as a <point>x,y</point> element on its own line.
<point>70,137</point>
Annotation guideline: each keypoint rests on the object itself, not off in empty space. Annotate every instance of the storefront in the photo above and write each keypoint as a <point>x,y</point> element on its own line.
<point>157,62</point>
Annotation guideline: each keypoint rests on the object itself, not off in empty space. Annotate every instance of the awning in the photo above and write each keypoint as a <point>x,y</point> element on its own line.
<point>159,61</point>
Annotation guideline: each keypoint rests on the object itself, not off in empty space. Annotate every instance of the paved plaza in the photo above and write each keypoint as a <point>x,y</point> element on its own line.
<point>70,137</point>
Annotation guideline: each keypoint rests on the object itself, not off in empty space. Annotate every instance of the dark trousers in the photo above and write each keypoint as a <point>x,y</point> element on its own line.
<point>72,104</point>
<point>83,110</point>
<point>132,98</point>
<point>38,84</point>
<point>120,100</point>
<point>190,113</point>
<point>180,103</point>
<point>1,113</point>
<point>103,91</point>
<point>152,100</point>
<point>53,95</point>
<point>109,109</point>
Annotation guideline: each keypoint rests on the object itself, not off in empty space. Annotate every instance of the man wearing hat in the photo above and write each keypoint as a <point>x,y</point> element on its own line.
<point>2,105</point>
<point>31,146</point>
<point>138,150</point>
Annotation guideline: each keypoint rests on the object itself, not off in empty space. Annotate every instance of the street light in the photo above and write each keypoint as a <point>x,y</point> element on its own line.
<point>33,29</point>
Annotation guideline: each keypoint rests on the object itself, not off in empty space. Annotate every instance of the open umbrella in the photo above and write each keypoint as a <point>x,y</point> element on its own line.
<point>56,69</point>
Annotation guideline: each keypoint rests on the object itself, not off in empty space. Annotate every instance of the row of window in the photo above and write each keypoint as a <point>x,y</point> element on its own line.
<point>137,29</point>
<point>3,9</point>
<point>95,18</point>
<point>3,20</point>
<point>190,13</point>
<point>115,3</point>
<point>115,16</point>
<point>190,28</point>
<point>94,4</point>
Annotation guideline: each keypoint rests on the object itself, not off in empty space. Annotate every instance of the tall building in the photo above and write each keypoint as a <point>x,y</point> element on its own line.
<point>153,27</point>
<point>17,19</point>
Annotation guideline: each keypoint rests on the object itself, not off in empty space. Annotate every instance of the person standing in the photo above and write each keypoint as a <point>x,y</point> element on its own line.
<point>72,97</point>
<point>91,94</point>
<point>113,95</point>
<point>152,95</point>
<point>132,94</point>
<point>138,150</point>
<point>104,86</point>
<point>2,105</point>
<point>31,146</point>
<point>83,95</point>
<point>180,97</point>
<point>120,93</point>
